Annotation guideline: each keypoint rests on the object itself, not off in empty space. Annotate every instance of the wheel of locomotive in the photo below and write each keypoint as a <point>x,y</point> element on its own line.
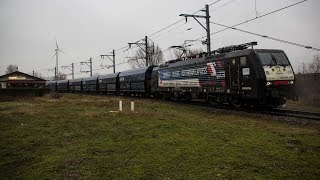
<point>178,96</point>
<point>220,99</point>
<point>161,95</point>
<point>211,101</point>
<point>188,96</point>
<point>167,96</point>
<point>236,102</point>
<point>158,95</point>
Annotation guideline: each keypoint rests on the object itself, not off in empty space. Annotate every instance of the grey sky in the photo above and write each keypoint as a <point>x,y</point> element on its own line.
<point>88,28</point>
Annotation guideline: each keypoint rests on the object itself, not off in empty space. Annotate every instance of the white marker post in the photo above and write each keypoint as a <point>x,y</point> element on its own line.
<point>132,106</point>
<point>120,105</point>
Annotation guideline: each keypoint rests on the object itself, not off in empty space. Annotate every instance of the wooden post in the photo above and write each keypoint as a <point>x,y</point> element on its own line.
<point>132,106</point>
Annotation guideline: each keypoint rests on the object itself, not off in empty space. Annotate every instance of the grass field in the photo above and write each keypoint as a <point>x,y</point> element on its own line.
<point>77,137</point>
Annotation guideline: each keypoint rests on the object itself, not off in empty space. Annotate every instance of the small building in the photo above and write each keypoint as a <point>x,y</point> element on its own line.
<point>20,80</point>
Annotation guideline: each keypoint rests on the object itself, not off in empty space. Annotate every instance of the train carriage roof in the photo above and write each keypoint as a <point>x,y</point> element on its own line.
<point>63,81</point>
<point>90,78</point>
<point>75,80</point>
<point>135,71</point>
<point>50,82</point>
<point>107,76</point>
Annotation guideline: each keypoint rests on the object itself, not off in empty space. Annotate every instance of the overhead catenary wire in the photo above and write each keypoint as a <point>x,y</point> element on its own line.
<point>268,37</point>
<point>182,19</point>
<point>124,47</point>
<point>263,15</point>
<point>119,50</point>
<point>255,18</point>
<point>229,2</point>
<point>179,33</point>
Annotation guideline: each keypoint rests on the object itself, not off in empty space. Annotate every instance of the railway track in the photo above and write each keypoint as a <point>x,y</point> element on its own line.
<point>284,113</point>
<point>296,114</point>
<point>276,112</point>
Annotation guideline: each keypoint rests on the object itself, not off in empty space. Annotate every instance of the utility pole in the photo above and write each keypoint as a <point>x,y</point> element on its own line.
<point>90,67</point>
<point>113,60</point>
<point>207,27</point>
<point>147,54</point>
<point>144,50</point>
<point>88,63</point>
<point>33,73</point>
<point>71,68</point>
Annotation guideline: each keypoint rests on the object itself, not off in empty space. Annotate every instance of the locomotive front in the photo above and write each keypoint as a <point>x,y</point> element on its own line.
<point>278,80</point>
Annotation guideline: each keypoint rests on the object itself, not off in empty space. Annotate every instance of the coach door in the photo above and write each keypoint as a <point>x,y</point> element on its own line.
<point>234,74</point>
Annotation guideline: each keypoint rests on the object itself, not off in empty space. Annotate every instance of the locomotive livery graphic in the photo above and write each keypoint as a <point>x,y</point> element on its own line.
<point>234,74</point>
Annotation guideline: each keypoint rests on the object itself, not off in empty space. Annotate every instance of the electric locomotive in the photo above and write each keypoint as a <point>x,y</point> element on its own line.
<point>233,74</point>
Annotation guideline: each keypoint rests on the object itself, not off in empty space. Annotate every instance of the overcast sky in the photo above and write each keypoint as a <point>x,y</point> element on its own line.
<point>88,28</point>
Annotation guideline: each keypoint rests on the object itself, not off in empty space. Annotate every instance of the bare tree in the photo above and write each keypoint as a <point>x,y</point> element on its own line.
<point>302,68</point>
<point>314,67</point>
<point>178,54</point>
<point>61,76</point>
<point>39,75</point>
<point>193,52</point>
<point>11,68</point>
<point>139,59</point>
<point>308,82</point>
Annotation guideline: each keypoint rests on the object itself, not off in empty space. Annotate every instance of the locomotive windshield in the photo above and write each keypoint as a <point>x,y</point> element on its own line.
<point>273,58</point>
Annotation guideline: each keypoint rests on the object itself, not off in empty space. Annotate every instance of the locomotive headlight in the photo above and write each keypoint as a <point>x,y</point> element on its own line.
<point>269,83</point>
<point>291,82</point>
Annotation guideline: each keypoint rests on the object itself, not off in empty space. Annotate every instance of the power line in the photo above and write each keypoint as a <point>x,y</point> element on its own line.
<point>165,28</point>
<point>181,25</point>
<point>213,3</point>
<point>179,20</point>
<point>206,27</point>
<point>268,37</point>
<point>252,19</point>
<point>121,48</point>
<point>227,27</point>
<point>124,47</point>
<point>244,22</point>
<point>223,5</point>
<point>178,33</point>
<point>172,35</point>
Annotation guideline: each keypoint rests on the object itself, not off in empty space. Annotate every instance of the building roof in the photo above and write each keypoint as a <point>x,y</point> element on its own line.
<point>19,76</point>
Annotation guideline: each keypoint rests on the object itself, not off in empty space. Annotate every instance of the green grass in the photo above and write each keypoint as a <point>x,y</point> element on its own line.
<point>77,137</point>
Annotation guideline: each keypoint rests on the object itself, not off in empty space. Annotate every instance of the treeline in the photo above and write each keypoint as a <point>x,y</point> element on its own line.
<point>308,82</point>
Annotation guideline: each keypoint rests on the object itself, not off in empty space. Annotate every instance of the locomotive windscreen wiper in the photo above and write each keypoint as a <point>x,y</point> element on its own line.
<point>273,59</point>
<point>277,61</point>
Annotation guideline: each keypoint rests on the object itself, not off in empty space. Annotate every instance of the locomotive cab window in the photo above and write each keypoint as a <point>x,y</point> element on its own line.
<point>243,61</point>
<point>273,59</point>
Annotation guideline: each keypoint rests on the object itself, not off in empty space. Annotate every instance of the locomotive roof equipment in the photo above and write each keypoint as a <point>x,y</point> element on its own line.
<point>235,47</point>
